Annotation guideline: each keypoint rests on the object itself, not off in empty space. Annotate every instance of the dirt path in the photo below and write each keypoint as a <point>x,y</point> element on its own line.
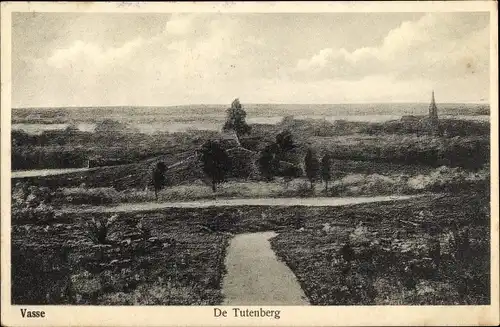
<point>314,202</point>
<point>46,172</point>
<point>256,277</point>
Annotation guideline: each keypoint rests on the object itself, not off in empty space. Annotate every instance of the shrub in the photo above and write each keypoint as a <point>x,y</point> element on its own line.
<point>42,214</point>
<point>29,205</point>
<point>143,230</point>
<point>91,196</point>
<point>304,190</point>
<point>98,229</point>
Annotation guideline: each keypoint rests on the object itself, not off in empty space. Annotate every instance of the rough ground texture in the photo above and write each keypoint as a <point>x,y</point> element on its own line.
<point>162,263</point>
<point>422,251</point>
<point>182,262</point>
<point>256,277</point>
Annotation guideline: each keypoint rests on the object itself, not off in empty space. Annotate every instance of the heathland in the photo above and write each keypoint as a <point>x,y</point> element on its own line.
<point>431,249</point>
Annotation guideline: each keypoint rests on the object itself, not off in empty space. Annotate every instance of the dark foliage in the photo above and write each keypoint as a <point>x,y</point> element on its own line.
<point>326,167</point>
<point>312,166</point>
<point>159,180</point>
<point>284,142</point>
<point>268,163</point>
<point>236,119</point>
<point>215,162</point>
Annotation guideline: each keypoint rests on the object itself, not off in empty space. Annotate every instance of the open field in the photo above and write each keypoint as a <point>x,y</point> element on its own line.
<point>152,114</point>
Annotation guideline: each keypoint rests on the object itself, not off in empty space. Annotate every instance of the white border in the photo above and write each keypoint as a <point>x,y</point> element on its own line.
<point>290,315</point>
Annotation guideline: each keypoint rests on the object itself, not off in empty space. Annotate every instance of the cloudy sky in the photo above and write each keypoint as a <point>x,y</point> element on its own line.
<point>63,59</point>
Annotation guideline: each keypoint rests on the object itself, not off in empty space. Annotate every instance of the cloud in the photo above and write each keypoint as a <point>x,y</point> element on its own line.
<point>86,54</point>
<point>437,45</point>
<point>180,24</point>
<point>207,58</point>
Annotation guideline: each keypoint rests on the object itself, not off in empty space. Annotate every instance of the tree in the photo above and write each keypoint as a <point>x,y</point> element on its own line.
<point>268,162</point>
<point>290,172</point>
<point>236,119</point>
<point>326,173</point>
<point>284,143</point>
<point>215,161</point>
<point>159,180</point>
<point>312,167</point>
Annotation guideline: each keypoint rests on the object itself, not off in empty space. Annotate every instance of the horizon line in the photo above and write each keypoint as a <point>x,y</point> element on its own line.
<point>249,103</point>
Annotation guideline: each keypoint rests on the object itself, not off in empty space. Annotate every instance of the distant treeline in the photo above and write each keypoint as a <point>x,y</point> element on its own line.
<point>407,125</point>
<point>460,153</point>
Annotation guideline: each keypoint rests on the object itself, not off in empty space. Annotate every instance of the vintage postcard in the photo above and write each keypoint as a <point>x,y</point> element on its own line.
<point>249,164</point>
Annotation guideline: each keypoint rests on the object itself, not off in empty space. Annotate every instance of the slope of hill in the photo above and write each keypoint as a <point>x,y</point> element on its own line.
<point>182,168</point>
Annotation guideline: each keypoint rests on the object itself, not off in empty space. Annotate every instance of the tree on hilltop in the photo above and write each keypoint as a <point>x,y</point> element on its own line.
<point>236,119</point>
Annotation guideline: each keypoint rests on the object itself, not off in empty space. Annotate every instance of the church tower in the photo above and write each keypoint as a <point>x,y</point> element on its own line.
<point>433,116</point>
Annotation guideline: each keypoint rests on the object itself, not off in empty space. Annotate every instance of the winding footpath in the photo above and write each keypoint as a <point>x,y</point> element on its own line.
<point>255,276</point>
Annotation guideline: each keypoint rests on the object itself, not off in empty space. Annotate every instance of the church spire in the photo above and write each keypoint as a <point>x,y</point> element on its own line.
<point>433,109</point>
<point>433,115</point>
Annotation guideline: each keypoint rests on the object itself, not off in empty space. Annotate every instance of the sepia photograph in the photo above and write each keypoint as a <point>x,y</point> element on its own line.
<point>243,162</point>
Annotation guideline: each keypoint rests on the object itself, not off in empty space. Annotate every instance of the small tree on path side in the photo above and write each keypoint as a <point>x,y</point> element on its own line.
<point>326,173</point>
<point>159,179</point>
<point>312,167</point>
<point>215,162</point>
<point>268,163</point>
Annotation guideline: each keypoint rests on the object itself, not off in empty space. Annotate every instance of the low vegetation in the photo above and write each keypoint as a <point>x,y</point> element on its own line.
<point>428,252</point>
<point>175,256</point>
<point>85,260</point>
<point>437,180</point>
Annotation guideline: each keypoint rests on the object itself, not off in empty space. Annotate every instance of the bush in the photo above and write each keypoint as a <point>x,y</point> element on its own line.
<point>445,176</point>
<point>91,196</point>
<point>98,229</point>
<point>304,190</point>
<point>31,205</point>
